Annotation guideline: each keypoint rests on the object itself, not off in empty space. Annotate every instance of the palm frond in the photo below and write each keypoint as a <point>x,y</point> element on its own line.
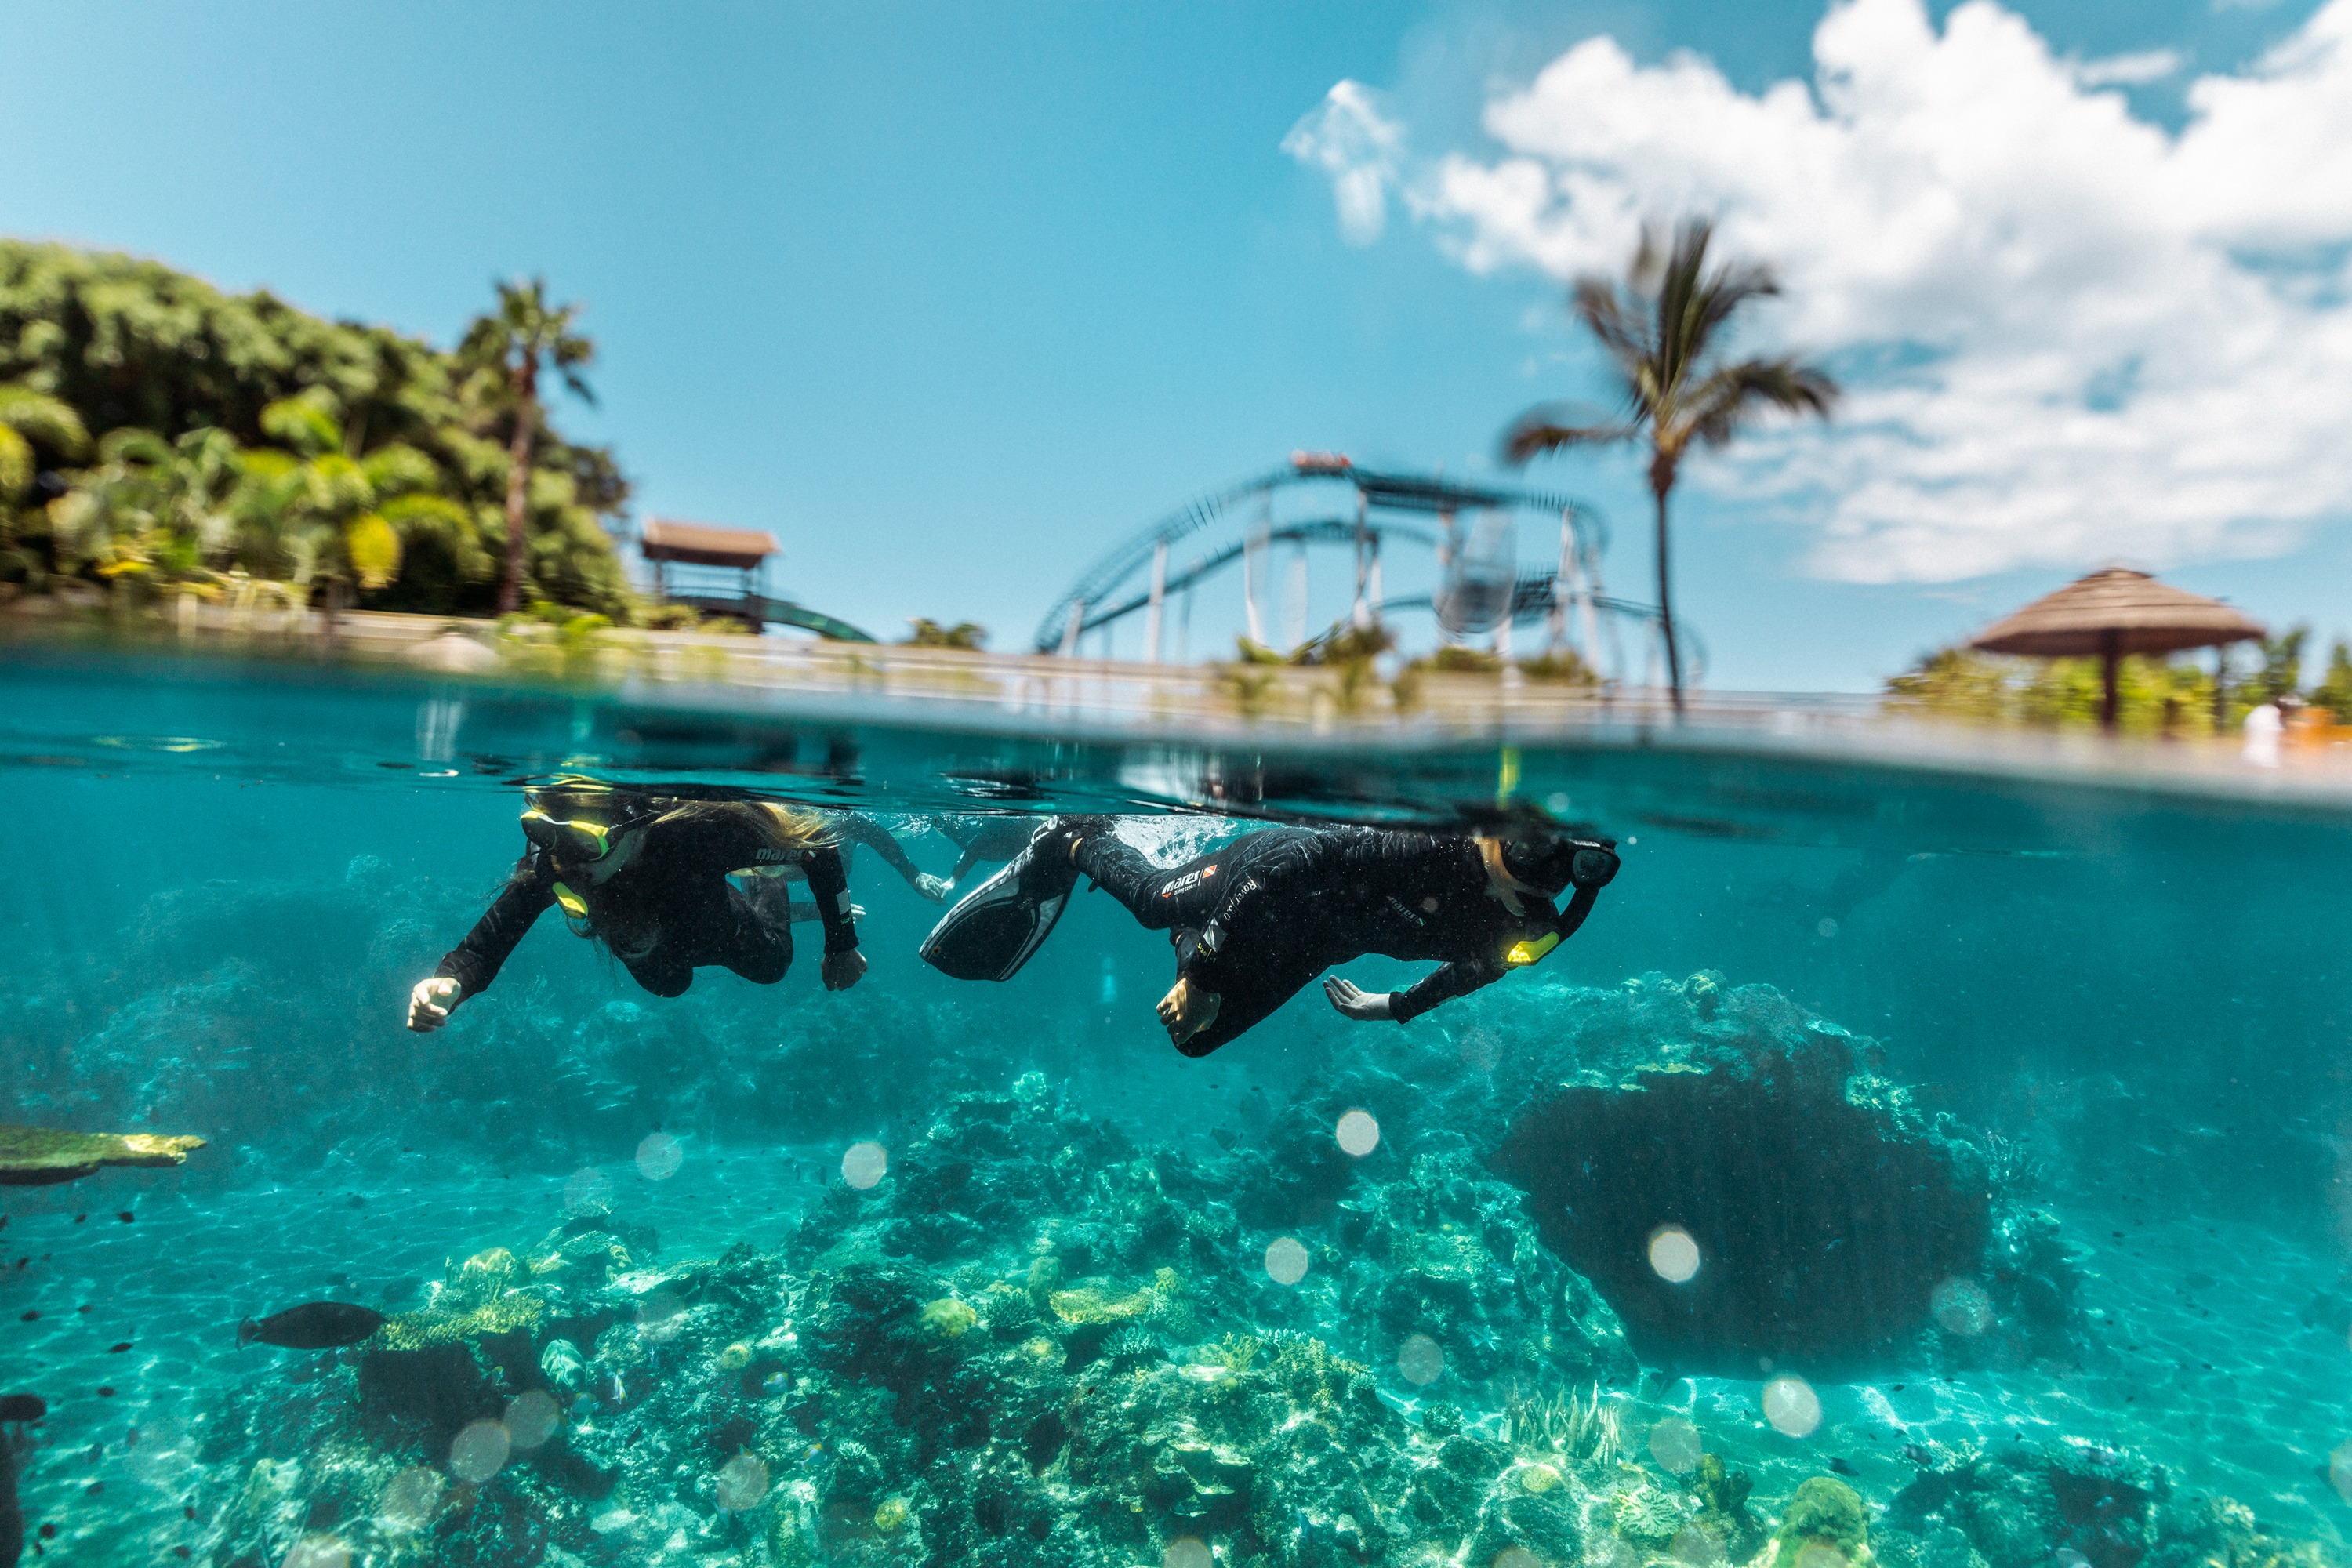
<point>38,416</point>
<point>1733,395</point>
<point>1541,430</point>
<point>303,423</point>
<point>16,464</point>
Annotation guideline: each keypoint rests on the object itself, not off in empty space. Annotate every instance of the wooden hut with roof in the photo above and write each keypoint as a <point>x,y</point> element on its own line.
<point>2113,612</point>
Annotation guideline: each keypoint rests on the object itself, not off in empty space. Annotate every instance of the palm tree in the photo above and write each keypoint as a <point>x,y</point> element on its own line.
<point>27,416</point>
<point>507,347</point>
<point>338,516</point>
<point>1660,328</point>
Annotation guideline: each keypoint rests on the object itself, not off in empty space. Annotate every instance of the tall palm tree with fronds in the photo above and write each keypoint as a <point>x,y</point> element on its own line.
<point>507,347</point>
<point>1660,328</point>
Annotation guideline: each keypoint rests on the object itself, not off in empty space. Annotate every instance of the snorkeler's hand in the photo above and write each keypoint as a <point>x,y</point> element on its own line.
<point>843,970</point>
<point>430,1003</point>
<point>933,888</point>
<point>1186,1011</point>
<point>1354,1001</point>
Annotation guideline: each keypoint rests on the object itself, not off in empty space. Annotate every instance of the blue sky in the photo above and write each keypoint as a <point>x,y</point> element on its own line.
<point>949,298</point>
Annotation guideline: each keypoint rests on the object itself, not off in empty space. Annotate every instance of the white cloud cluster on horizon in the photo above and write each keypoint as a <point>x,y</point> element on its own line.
<point>2068,334</point>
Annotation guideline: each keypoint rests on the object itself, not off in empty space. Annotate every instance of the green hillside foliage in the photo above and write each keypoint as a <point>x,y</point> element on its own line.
<point>159,436</point>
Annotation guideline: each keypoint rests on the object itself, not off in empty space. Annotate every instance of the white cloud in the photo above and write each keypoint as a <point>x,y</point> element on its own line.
<point>1348,138</point>
<point>2129,71</point>
<point>2112,339</point>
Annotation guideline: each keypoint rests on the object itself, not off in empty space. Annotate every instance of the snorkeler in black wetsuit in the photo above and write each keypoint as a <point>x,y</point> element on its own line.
<point>648,875</point>
<point>1257,919</point>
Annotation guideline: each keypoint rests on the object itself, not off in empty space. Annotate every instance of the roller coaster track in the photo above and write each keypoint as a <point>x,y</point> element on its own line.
<point>1375,490</point>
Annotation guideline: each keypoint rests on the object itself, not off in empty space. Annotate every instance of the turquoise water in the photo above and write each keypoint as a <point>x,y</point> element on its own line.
<point>2005,1115</point>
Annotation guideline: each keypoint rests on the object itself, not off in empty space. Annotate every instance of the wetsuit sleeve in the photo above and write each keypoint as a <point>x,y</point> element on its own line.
<point>474,963</point>
<point>1443,984</point>
<point>862,829</point>
<point>829,885</point>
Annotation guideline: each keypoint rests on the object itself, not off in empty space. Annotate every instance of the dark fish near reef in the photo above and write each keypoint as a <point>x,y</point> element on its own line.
<point>14,1446</point>
<point>1843,1468</point>
<point>23,1407</point>
<point>312,1326</point>
<point>1918,1456</point>
<point>2330,1309</point>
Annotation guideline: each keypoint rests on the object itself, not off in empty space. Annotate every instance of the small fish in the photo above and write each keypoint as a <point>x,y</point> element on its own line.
<point>312,1326</point>
<point>118,1349</point>
<point>1917,1456</point>
<point>1841,1468</point>
<point>2200,1281</point>
<point>23,1407</point>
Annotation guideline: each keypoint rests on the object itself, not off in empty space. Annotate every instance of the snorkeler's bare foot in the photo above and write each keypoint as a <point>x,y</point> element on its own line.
<point>1186,1012</point>
<point>1354,1001</point>
<point>843,970</point>
<point>430,1003</point>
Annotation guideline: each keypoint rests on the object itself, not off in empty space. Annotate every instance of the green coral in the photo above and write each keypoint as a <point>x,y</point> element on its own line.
<point>1825,1516</point>
<point>423,1331</point>
<point>949,1317</point>
<point>1090,1303</point>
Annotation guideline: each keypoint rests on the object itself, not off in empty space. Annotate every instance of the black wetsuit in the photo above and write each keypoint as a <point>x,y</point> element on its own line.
<point>671,909</point>
<point>1257,920</point>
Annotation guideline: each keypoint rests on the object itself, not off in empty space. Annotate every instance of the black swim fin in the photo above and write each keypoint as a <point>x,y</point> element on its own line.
<point>992,929</point>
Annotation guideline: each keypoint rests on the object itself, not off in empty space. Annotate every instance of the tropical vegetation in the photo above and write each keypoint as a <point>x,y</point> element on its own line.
<point>1661,328</point>
<point>969,635</point>
<point>2172,696</point>
<point>158,436</point>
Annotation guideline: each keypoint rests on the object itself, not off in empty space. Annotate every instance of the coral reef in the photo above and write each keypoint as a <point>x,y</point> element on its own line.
<point>1752,1129</point>
<point>42,1156</point>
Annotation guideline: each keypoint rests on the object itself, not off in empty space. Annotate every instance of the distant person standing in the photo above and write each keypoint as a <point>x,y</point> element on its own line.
<point>2265,727</point>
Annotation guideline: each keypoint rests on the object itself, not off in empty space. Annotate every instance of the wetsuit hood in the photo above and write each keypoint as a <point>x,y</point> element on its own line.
<point>1552,863</point>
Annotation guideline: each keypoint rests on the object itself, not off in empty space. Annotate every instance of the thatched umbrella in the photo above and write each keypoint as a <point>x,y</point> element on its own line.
<point>2110,614</point>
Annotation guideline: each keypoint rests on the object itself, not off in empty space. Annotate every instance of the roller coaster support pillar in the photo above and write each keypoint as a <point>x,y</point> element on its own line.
<point>1078,624</point>
<point>1359,614</point>
<point>1151,618</point>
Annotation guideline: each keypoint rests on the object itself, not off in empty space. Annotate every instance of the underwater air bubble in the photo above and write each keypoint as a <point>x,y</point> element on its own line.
<point>1697,1545</point>
<point>1480,1048</point>
<point>530,1418</point>
<point>658,1157</point>
<point>1359,1133</point>
<point>1186,1552</point>
<point>1286,1261</point>
<point>1962,1307</point>
<point>1827,927</point>
<point>589,1191</point>
<point>1792,1405</point>
<point>479,1452</point>
<point>1672,1254</point>
<point>319,1552</point>
<point>1419,1361</point>
<point>863,1164</point>
<point>2340,1470</point>
<point>410,1499</point>
<point>1675,1443</point>
<point>743,1482</point>
<point>1604,1550</point>
<point>660,1314</point>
